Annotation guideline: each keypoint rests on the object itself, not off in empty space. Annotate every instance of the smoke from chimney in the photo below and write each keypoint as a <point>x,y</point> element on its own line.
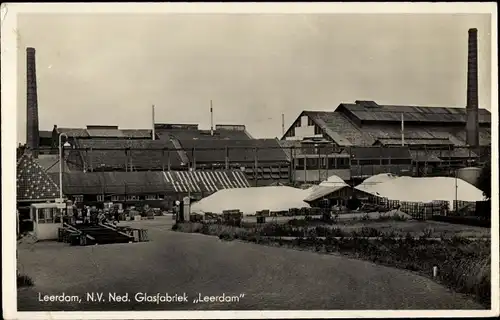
<point>472,126</point>
<point>32,130</point>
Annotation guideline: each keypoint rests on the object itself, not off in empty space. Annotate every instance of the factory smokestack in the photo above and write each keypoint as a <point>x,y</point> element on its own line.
<point>153,134</point>
<point>472,126</point>
<point>211,119</point>
<point>282,124</point>
<point>32,130</point>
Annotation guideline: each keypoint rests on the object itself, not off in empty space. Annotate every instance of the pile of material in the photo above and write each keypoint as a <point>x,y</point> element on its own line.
<point>422,189</point>
<point>251,200</point>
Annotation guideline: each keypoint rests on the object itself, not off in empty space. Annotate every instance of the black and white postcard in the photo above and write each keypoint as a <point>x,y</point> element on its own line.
<point>249,160</point>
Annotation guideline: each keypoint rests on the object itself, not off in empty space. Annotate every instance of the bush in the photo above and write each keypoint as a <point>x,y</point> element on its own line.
<point>463,265</point>
<point>226,236</point>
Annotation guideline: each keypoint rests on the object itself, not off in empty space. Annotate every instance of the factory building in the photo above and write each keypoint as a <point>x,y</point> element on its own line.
<point>168,161</point>
<point>377,138</point>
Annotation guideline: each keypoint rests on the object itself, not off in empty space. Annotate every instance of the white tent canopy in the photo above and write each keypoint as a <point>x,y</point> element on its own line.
<point>251,200</point>
<point>422,189</point>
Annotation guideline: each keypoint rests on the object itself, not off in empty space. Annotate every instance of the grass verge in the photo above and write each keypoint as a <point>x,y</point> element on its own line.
<point>463,265</point>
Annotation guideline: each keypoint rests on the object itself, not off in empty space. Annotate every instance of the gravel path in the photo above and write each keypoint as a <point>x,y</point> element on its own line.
<point>177,263</point>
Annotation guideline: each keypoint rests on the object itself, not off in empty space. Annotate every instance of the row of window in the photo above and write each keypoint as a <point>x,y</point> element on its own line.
<point>322,163</point>
<point>49,215</point>
<point>376,162</point>
<point>115,198</point>
<point>343,163</point>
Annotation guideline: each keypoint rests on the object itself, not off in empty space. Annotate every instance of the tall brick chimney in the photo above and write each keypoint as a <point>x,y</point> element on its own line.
<point>472,126</point>
<point>32,130</point>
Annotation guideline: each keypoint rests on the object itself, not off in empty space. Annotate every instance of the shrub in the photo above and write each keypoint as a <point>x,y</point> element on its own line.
<point>297,222</point>
<point>370,232</point>
<point>399,217</point>
<point>226,236</point>
<point>427,233</point>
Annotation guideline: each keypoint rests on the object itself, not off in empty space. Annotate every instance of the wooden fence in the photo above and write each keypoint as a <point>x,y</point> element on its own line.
<point>427,210</point>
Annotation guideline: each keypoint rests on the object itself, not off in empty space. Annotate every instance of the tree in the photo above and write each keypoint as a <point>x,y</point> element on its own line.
<point>484,182</point>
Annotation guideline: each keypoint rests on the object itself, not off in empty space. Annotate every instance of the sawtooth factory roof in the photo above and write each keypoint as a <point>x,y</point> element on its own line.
<point>366,123</point>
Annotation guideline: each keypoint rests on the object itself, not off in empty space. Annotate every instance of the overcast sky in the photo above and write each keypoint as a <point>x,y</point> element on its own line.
<point>110,69</point>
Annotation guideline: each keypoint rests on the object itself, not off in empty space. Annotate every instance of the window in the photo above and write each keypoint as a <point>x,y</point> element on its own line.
<point>368,162</point>
<point>151,197</point>
<point>299,163</point>
<point>331,163</point>
<point>41,215</point>
<point>78,198</point>
<point>312,163</point>
<point>132,198</point>
<point>317,130</point>
<point>401,161</point>
<point>324,162</point>
<point>342,163</point>
<point>310,122</point>
<point>100,198</point>
<point>46,215</point>
<point>117,198</point>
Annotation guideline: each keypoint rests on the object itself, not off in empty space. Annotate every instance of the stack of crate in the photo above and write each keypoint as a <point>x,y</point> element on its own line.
<point>211,217</point>
<point>232,217</point>
<point>464,208</point>
<point>195,217</point>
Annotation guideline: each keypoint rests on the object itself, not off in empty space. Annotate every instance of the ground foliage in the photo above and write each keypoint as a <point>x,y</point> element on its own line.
<point>463,265</point>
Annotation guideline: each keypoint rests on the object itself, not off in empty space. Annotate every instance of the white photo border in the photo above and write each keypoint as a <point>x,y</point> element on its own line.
<point>9,49</point>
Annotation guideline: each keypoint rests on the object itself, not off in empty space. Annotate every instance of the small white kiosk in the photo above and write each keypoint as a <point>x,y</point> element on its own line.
<point>47,219</point>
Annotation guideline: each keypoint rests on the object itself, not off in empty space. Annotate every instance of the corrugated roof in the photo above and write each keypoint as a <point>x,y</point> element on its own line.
<point>195,134</point>
<point>50,163</point>
<point>214,151</point>
<point>339,127</point>
<point>143,154</point>
<point>33,183</point>
<point>74,132</point>
<point>105,133</point>
<point>136,133</point>
<point>365,112</point>
<point>394,142</point>
<point>152,182</point>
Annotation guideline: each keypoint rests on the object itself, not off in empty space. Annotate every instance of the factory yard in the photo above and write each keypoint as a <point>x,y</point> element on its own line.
<point>249,275</point>
<point>462,254</point>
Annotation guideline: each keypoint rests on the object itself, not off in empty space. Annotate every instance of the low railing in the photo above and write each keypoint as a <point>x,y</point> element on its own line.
<point>139,235</point>
<point>67,232</point>
<point>111,227</point>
